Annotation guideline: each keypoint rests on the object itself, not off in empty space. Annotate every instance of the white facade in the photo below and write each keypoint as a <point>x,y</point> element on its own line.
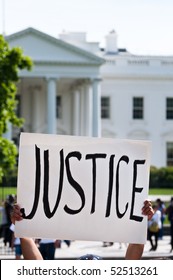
<point>82,75</point>
<point>151,78</point>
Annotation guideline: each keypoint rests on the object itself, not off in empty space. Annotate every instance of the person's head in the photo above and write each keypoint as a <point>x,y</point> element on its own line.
<point>154,207</point>
<point>171,202</point>
<point>10,199</point>
<point>158,201</point>
<point>90,257</point>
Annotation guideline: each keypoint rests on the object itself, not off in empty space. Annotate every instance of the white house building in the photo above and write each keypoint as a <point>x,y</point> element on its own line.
<point>76,88</point>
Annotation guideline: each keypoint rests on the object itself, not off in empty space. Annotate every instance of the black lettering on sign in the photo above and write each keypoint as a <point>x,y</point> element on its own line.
<point>66,164</point>
<point>74,184</point>
<point>111,178</point>
<point>120,215</point>
<point>94,157</point>
<point>135,189</point>
<point>37,186</point>
<point>46,204</point>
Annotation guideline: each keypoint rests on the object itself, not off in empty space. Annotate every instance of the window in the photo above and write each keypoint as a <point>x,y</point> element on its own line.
<point>58,107</point>
<point>105,107</point>
<point>169,153</point>
<point>169,108</point>
<point>138,108</point>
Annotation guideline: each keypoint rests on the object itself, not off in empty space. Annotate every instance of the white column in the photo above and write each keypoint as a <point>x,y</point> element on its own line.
<point>76,112</point>
<point>36,95</point>
<point>51,106</point>
<point>82,112</point>
<point>96,108</point>
<point>88,110</point>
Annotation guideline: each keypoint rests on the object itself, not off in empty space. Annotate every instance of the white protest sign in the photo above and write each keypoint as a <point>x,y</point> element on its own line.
<point>81,188</point>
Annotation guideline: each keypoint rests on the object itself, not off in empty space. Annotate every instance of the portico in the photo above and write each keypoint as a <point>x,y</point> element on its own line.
<point>61,95</point>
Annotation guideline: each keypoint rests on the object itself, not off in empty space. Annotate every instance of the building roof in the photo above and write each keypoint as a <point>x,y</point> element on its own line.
<point>33,38</point>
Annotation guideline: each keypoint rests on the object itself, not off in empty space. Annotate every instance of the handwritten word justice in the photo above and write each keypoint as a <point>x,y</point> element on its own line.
<point>66,165</point>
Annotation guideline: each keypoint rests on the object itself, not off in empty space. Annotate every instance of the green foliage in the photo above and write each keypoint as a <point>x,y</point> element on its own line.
<point>12,61</point>
<point>161,177</point>
<point>8,154</point>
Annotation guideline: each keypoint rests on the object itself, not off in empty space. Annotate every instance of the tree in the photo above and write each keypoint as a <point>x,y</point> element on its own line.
<point>12,61</point>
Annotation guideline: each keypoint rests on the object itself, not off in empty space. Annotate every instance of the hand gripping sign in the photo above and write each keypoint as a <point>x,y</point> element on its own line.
<point>82,188</point>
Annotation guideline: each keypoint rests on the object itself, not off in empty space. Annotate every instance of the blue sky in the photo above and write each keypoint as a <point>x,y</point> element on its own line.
<point>143,26</point>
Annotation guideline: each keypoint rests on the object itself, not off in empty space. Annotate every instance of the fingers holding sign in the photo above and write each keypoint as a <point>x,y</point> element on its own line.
<point>16,214</point>
<point>147,209</point>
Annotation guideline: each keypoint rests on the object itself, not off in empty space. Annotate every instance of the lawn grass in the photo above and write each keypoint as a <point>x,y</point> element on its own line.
<point>4,191</point>
<point>161,192</point>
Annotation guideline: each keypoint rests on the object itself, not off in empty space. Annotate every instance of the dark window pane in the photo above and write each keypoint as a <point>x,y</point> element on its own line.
<point>170,154</point>
<point>58,107</point>
<point>169,108</point>
<point>138,108</point>
<point>18,107</point>
<point>105,107</point>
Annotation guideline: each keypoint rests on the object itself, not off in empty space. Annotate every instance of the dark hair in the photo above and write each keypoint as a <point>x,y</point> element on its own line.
<point>90,257</point>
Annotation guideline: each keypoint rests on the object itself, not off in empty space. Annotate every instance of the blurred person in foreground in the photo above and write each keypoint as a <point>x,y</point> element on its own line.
<point>16,244</point>
<point>154,226</point>
<point>30,250</point>
<point>8,207</point>
<point>162,208</point>
<point>169,212</point>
